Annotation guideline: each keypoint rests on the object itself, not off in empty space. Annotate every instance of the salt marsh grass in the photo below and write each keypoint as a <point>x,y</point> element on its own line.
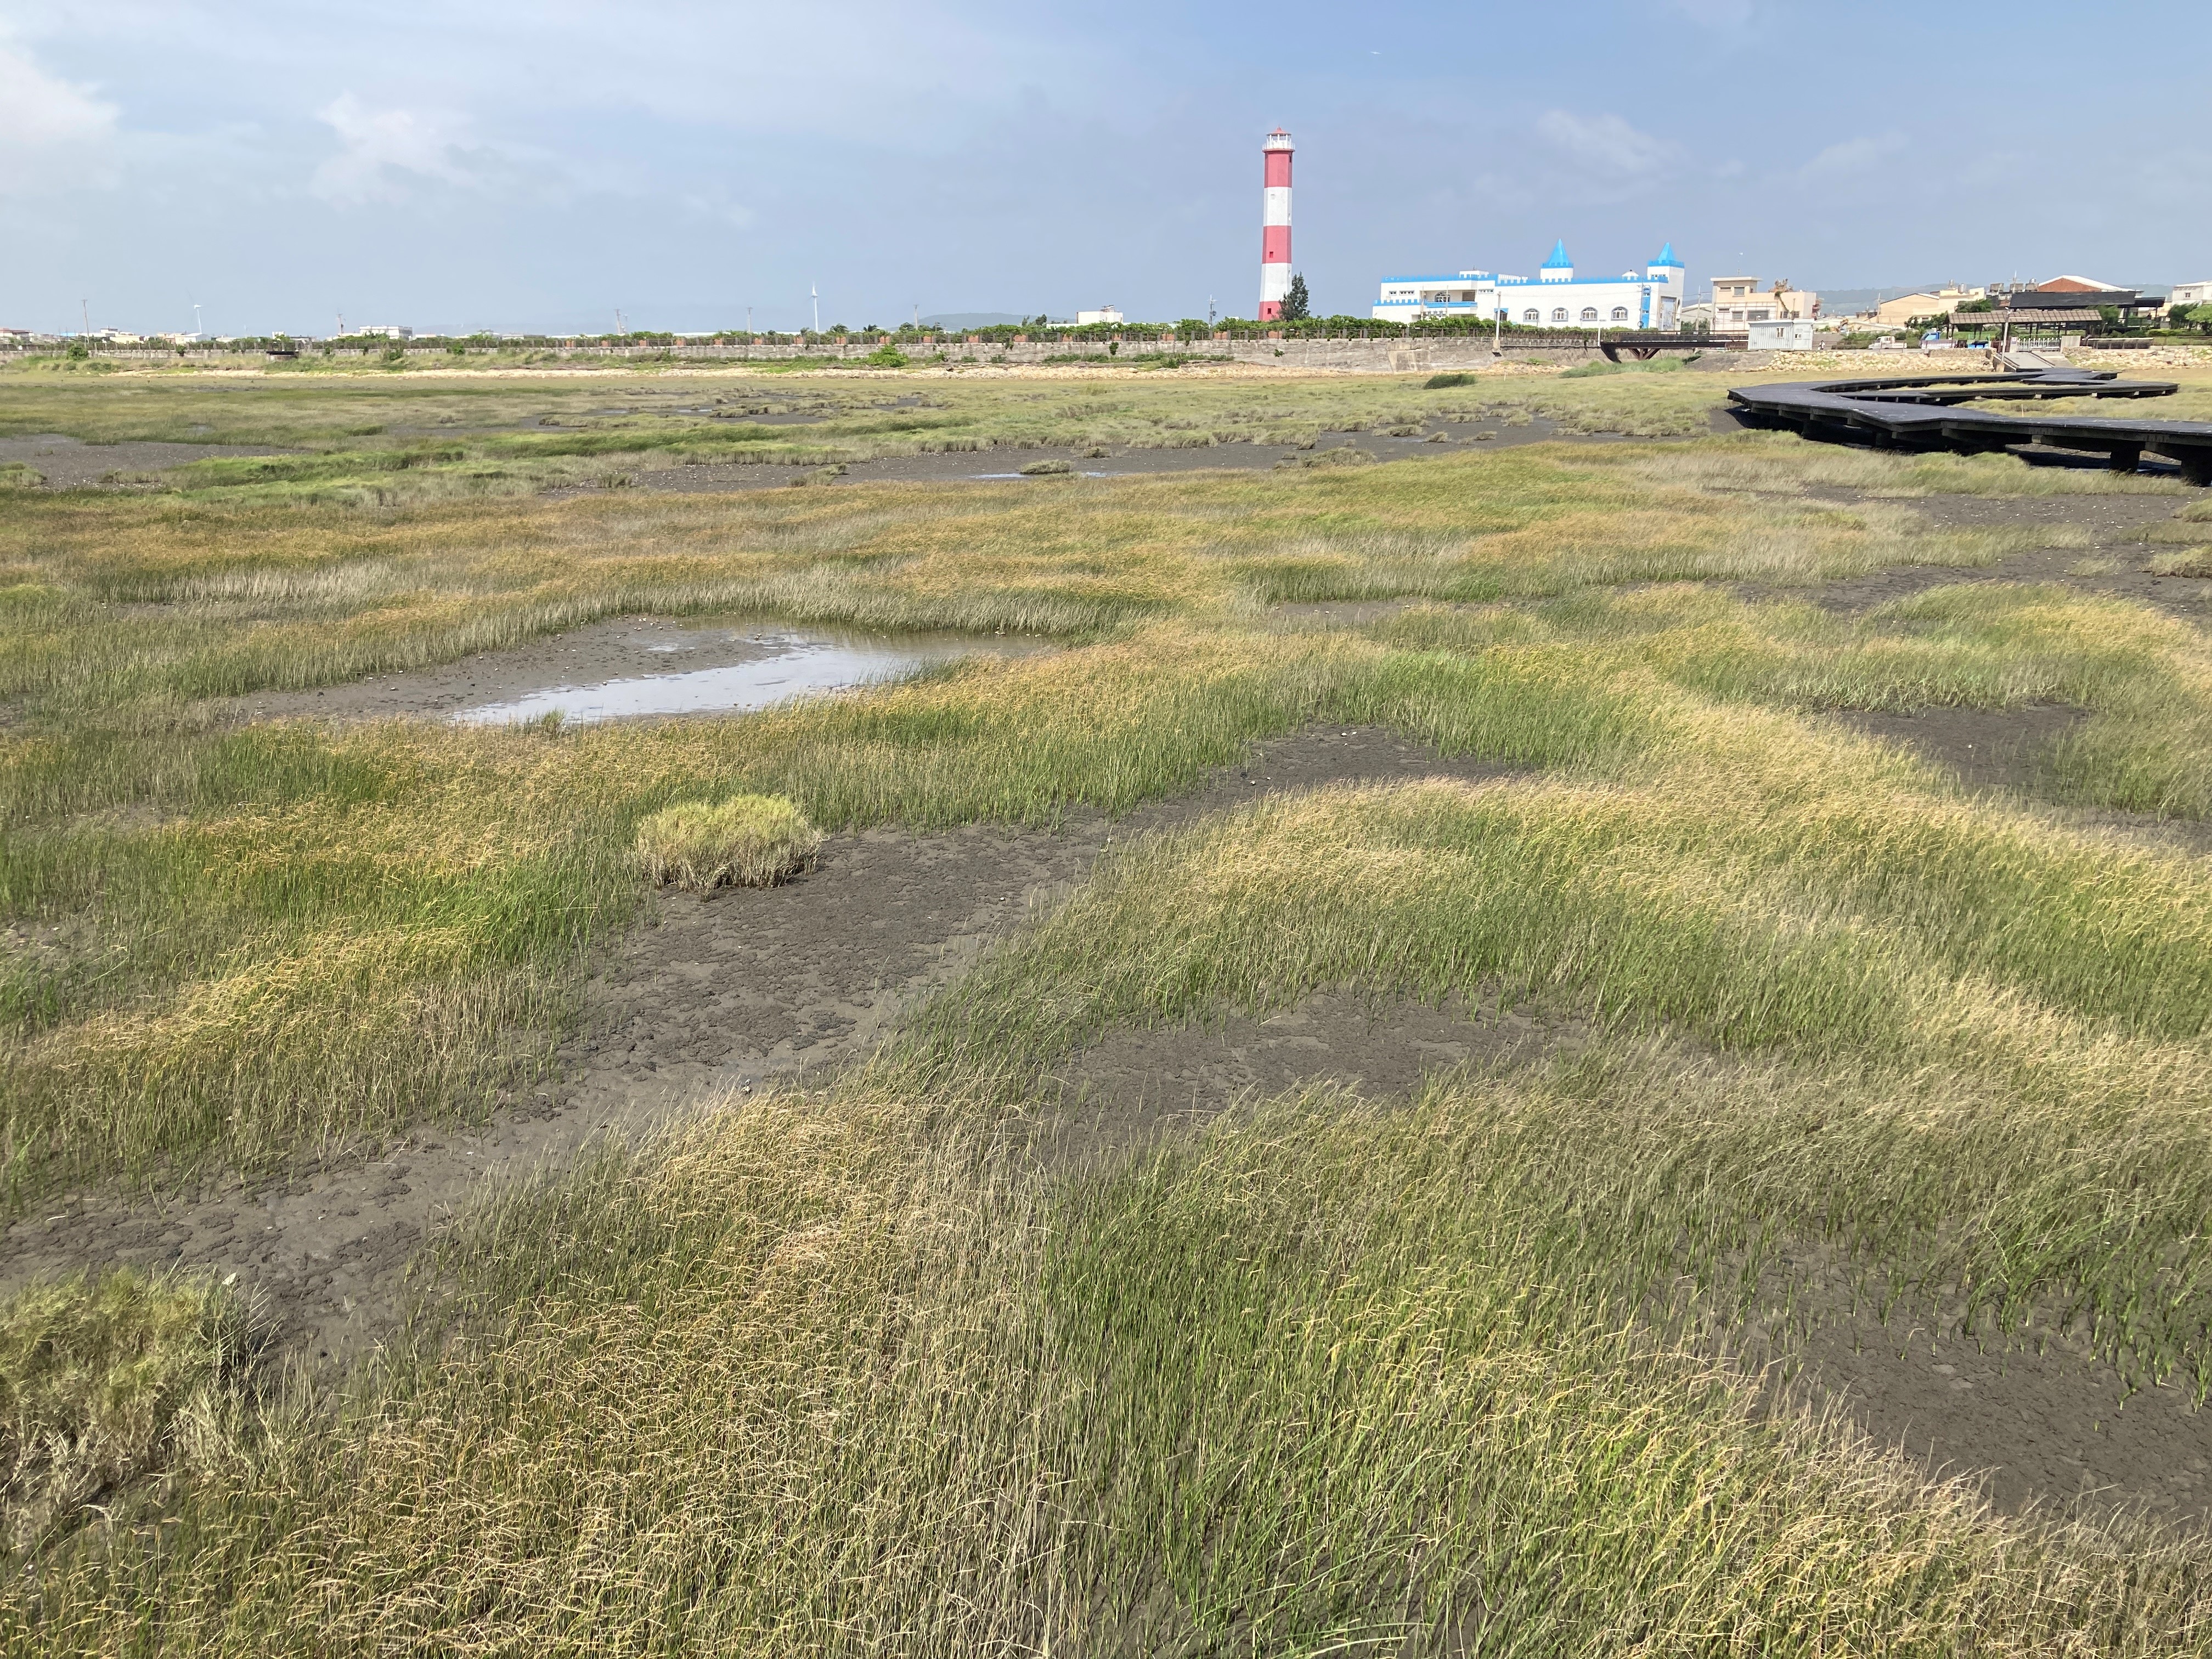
<point>2185,562</point>
<point>857,1371</point>
<point>747,841</point>
<point>838,1377</point>
<point>105,1382</point>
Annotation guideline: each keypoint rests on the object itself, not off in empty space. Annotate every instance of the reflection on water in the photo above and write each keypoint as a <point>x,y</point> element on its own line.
<point>774,666</point>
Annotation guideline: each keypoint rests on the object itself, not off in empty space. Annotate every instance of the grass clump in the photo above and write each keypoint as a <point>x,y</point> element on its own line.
<point>2182,561</point>
<point>1340,455</point>
<point>747,841</point>
<point>104,1381</point>
<point>1045,469</point>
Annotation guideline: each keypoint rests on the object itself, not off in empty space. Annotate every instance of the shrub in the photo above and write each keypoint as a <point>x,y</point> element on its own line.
<point>1045,469</point>
<point>1438,382</point>
<point>748,840</point>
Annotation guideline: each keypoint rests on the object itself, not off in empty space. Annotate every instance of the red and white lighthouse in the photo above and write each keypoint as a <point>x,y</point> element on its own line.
<point>1275,225</point>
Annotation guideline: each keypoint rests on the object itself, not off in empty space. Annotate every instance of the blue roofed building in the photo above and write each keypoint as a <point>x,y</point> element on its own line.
<point>1553,298</point>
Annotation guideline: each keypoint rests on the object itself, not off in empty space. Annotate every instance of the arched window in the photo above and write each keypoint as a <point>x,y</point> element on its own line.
<point>1589,314</point>
<point>1531,315</point>
<point>1621,314</point>
<point>1558,313</point>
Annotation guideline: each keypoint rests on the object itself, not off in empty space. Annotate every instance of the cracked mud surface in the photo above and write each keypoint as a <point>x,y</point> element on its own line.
<point>712,997</point>
<point>1987,747</point>
<point>2045,1424</point>
<point>1134,1086</point>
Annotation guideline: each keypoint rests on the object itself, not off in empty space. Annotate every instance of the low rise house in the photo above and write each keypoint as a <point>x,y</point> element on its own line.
<point>1924,302</point>
<point>2190,293</point>
<point>1103,314</point>
<point>1739,301</point>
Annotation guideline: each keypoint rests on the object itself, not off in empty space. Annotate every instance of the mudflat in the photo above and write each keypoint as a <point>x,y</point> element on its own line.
<point>1375,1007</point>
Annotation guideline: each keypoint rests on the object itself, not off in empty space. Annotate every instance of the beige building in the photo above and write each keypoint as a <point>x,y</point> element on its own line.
<point>1941,302</point>
<point>1739,301</point>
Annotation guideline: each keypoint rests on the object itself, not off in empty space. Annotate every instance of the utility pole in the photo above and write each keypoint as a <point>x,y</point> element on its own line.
<point>85,305</point>
<point>749,320</point>
<point>815,294</point>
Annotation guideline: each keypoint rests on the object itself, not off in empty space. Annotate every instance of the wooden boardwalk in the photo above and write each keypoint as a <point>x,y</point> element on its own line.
<point>1920,413</point>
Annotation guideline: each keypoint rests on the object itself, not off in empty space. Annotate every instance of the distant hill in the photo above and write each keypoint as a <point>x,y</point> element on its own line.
<point>971,320</point>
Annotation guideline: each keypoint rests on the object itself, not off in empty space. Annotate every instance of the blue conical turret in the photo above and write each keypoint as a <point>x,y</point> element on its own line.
<point>1666,257</point>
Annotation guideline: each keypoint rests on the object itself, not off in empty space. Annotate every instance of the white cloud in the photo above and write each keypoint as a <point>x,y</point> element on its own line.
<point>378,148</point>
<point>54,134</point>
<point>1604,144</point>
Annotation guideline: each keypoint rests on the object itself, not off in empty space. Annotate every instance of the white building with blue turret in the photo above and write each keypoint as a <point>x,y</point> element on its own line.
<point>1553,298</point>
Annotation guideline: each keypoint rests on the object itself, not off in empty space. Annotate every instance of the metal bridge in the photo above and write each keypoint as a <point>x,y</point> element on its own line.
<point>1920,412</point>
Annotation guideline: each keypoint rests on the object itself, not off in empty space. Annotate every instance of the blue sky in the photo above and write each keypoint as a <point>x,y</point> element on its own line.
<point>500,164</point>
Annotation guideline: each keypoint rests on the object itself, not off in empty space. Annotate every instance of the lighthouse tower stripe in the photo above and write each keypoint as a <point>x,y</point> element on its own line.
<point>1274,224</point>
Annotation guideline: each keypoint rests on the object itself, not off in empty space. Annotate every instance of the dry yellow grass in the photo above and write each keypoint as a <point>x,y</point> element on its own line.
<point>848,1372</point>
<point>2183,561</point>
<point>747,841</point>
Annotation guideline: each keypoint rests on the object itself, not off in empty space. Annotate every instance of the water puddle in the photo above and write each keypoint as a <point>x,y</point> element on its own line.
<point>1033,477</point>
<point>750,668</point>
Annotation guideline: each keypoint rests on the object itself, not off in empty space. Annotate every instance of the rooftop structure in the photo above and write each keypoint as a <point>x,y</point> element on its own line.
<point>1554,298</point>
